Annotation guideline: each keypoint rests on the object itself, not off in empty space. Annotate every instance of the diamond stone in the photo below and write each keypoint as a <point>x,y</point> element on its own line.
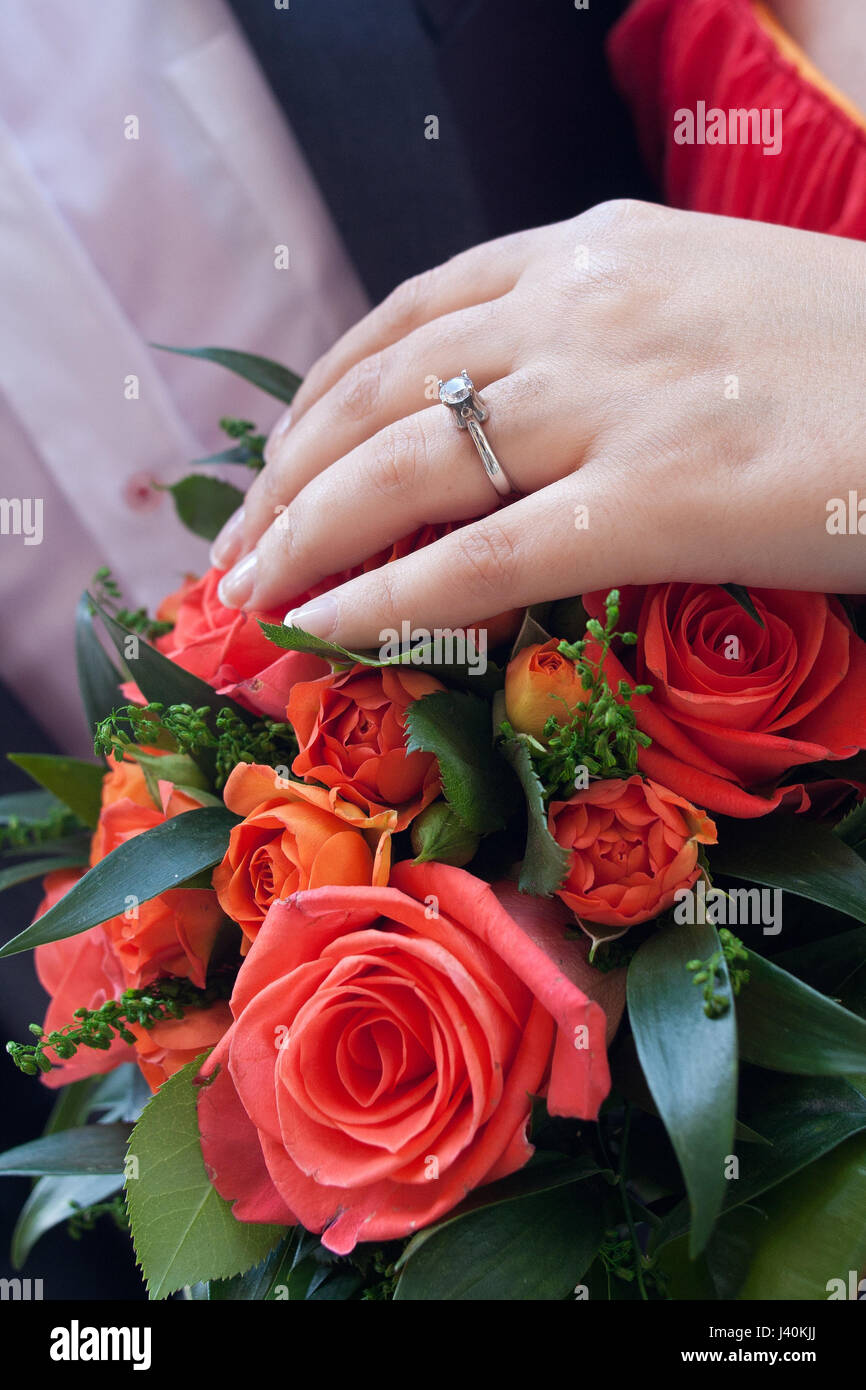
<point>455,391</point>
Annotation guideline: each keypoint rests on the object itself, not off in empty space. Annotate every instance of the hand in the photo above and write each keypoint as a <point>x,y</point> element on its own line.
<point>677,396</point>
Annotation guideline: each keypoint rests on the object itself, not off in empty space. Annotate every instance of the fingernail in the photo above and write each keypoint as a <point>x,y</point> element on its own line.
<point>235,587</point>
<point>277,433</point>
<point>318,617</point>
<point>227,544</point>
<point>283,423</point>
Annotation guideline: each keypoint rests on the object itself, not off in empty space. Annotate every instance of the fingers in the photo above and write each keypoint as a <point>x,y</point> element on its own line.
<point>421,469</point>
<point>472,277</point>
<point>570,537</point>
<point>378,391</point>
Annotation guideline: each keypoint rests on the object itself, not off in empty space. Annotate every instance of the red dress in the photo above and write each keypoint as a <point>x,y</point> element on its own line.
<point>669,55</point>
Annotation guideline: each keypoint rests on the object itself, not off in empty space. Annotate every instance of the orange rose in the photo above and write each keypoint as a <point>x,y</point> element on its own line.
<point>541,682</point>
<point>166,1047</point>
<point>383,1059</point>
<point>294,837</point>
<point>174,933</point>
<point>352,737</point>
<point>633,843</point>
<point>79,972</point>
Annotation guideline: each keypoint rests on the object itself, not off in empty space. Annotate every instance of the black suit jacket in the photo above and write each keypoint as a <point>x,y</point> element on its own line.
<point>530,129</point>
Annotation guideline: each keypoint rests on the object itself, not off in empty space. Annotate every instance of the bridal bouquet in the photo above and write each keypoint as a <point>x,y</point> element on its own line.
<point>525,962</point>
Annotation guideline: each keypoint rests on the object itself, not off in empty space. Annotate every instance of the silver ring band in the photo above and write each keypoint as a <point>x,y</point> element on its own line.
<point>468,410</point>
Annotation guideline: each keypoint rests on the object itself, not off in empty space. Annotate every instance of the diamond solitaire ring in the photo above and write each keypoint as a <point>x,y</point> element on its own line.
<point>468,409</point>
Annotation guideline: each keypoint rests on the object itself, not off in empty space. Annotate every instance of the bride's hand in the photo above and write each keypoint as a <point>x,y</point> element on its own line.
<point>677,396</point>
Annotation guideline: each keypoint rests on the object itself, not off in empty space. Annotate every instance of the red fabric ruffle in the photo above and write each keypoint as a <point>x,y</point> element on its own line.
<point>667,55</point>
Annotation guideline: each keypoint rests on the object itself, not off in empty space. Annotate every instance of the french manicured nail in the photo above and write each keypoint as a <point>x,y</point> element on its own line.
<point>225,548</point>
<point>235,587</point>
<point>277,433</point>
<point>283,423</point>
<point>318,617</point>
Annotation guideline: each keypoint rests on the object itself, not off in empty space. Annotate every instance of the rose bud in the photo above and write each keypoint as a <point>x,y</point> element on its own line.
<point>633,844</point>
<point>541,682</point>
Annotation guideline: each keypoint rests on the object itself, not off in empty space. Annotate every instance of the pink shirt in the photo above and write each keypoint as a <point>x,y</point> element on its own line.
<point>108,243</point>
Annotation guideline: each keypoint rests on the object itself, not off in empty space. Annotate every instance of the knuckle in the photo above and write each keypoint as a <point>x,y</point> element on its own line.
<point>630,220</point>
<point>399,453</point>
<point>265,495</point>
<point>406,305</point>
<point>388,590</point>
<point>359,391</point>
<point>489,553</point>
<point>624,212</point>
<point>312,385</point>
<point>288,532</point>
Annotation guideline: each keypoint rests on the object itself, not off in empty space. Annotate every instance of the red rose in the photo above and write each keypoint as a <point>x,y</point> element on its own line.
<point>174,933</point>
<point>228,649</point>
<point>166,1047</point>
<point>735,705</point>
<point>79,972</point>
<point>633,844</point>
<point>386,1046</point>
<point>352,737</point>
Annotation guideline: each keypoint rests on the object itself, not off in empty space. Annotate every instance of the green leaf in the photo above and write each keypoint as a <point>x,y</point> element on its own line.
<point>98,677</point>
<point>744,599</point>
<point>261,1283</point>
<point>801,1117</point>
<point>420,658</point>
<point>294,639</point>
<point>815,1232</point>
<point>689,1061</point>
<point>545,863</point>
<point>162,680</point>
<point>238,453</point>
<point>785,1025</point>
<point>828,962</point>
<point>121,1094</point>
<point>456,728</point>
<point>50,1202</point>
<point>147,865</point>
<point>334,1285</point>
<point>204,504</point>
<point>177,768</point>
<point>183,1230</point>
<point>534,1248</point>
<point>88,1149</point>
<point>36,868</point>
<point>531,631</point>
<point>439,834</point>
<point>544,1172</point>
<point>852,828</point>
<point>28,807</point>
<point>76,783</point>
<point>114,1096</point>
<point>261,371</point>
<point>74,846</point>
<point>72,1106</point>
<point>800,856</point>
